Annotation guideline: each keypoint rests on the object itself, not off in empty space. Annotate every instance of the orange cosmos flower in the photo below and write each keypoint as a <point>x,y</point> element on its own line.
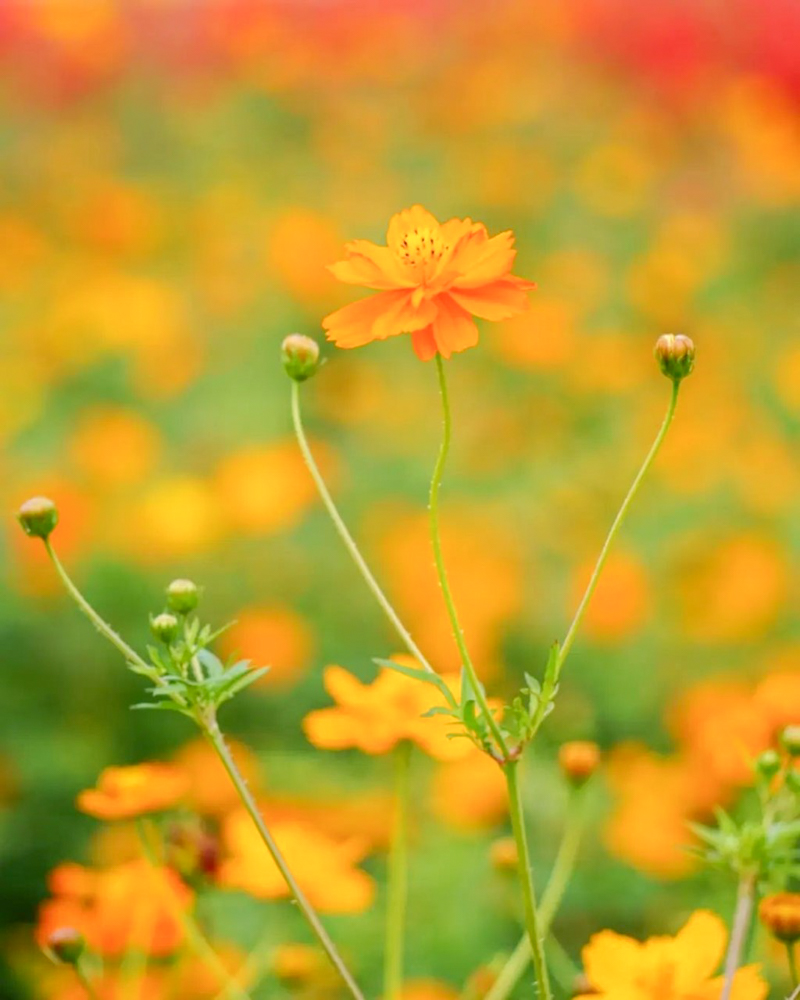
<point>123,792</point>
<point>432,279</point>
<point>666,968</point>
<point>376,717</point>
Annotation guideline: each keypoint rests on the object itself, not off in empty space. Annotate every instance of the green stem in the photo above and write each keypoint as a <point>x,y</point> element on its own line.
<point>741,922</point>
<point>532,923</point>
<point>83,978</point>
<point>563,866</point>
<point>212,732</point>
<point>615,527</point>
<point>397,887</point>
<point>195,938</point>
<point>433,507</point>
<point>792,962</point>
<point>347,538</point>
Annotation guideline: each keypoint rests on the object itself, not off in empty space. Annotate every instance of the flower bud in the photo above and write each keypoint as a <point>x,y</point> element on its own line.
<point>790,740</point>
<point>578,761</point>
<point>503,854</point>
<point>182,596</point>
<point>582,985</point>
<point>66,944</point>
<point>38,516</point>
<point>792,782</point>
<point>780,914</point>
<point>300,356</point>
<point>165,627</point>
<point>675,354</point>
<point>768,764</point>
<point>191,850</point>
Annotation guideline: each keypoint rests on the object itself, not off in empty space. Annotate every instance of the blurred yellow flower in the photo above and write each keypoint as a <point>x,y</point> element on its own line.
<point>324,868</point>
<point>114,447</point>
<point>376,717</point>
<point>667,968</point>
<point>271,636</point>
<point>123,792</point>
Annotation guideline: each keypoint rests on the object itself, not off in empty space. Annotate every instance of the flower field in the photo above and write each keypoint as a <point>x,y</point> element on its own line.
<point>327,340</point>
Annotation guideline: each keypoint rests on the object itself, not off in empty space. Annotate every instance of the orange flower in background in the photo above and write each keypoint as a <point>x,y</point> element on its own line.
<point>376,717</point>
<point>211,791</point>
<point>123,792</point>
<point>324,867</point>
<point>433,279</point>
<point>131,905</point>
<point>273,635</point>
<point>667,968</point>
<point>470,793</point>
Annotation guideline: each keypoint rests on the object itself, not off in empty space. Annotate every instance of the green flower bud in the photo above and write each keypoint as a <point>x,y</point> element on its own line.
<point>300,356</point>
<point>675,354</point>
<point>66,944</point>
<point>182,596</point>
<point>790,740</point>
<point>165,627</point>
<point>792,782</point>
<point>38,516</point>
<point>768,764</point>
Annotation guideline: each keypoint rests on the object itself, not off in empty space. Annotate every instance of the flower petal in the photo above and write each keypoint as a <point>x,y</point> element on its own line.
<point>343,687</point>
<point>698,948</point>
<point>415,217</point>
<point>481,260</point>
<point>424,343</point>
<point>384,315</point>
<point>611,961</point>
<point>370,265</point>
<point>453,328</point>
<point>498,300</point>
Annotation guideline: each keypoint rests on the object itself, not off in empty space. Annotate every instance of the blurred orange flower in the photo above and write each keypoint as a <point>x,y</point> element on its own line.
<point>667,968</point>
<point>470,793</point>
<point>433,279</point>
<point>324,868</point>
<point>123,792</point>
<point>211,792</point>
<point>276,636</point>
<point>131,905</point>
<point>376,717</point>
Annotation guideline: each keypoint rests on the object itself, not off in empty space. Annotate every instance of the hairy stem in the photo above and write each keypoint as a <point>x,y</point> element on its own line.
<point>347,538</point>
<point>741,922</point>
<point>212,732</point>
<point>441,571</point>
<point>792,963</point>
<point>397,888</point>
<point>615,527</point>
<point>563,866</point>
<point>533,925</point>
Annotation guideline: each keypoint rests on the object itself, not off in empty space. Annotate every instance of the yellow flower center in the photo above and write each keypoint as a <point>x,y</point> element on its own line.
<point>421,246</point>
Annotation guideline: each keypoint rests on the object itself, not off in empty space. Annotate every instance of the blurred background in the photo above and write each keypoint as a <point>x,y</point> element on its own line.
<point>174,178</point>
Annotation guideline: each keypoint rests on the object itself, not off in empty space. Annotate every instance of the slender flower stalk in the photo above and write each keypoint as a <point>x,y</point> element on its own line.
<point>397,888</point>
<point>347,538</point>
<point>85,980</point>
<point>192,931</point>
<point>792,963</point>
<point>433,508</point>
<point>622,513</point>
<point>742,916</point>
<point>533,924</point>
<point>563,866</point>
<point>208,724</point>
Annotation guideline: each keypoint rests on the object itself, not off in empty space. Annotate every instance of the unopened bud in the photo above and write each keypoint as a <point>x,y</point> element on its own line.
<point>66,944</point>
<point>503,854</point>
<point>38,516</point>
<point>790,740</point>
<point>792,782</point>
<point>579,760</point>
<point>182,596</point>
<point>780,914</point>
<point>300,356</point>
<point>675,354</point>
<point>192,850</point>
<point>768,764</point>
<point>165,627</point>
<point>582,985</point>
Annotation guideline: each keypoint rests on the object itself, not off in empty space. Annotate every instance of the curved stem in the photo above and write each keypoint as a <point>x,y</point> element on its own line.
<point>532,923</point>
<point>741,922</point>
<point>563,866</point>
<point>433,507</point>
<point>347,538</point>
<point>397,888</point>
<point>212,732</point>
<point>86,982</point>
<point>615,527</point>
<point>197,941</point>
